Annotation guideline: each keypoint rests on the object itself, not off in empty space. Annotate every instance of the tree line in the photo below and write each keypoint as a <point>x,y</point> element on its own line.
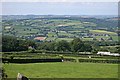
<point>76,45</point>
<point>10,43</point>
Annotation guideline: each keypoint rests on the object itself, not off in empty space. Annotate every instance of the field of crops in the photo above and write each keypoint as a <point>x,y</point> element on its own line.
<point>63,70</point>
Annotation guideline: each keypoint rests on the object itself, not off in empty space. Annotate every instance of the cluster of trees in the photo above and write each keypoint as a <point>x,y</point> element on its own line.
<point>75,45</point>
<point>10,43</point>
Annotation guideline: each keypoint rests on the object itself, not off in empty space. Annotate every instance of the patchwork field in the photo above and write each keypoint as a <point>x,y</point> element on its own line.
<point>58,28</point>
<point>103,32</point>
<point>63,70</point>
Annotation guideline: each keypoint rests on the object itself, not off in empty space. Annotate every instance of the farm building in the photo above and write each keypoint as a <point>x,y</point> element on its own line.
<point>104,53</point>
<point>7,27</point>
<point>40,38</point>
<point>108,53</point>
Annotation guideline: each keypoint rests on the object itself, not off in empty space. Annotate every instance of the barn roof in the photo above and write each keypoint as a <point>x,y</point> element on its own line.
<point>40,38</point>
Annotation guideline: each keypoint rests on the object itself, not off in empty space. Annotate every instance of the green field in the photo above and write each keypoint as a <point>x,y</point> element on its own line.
<point>63,70</point>
<point>67,39</point>
<point>103,32</point>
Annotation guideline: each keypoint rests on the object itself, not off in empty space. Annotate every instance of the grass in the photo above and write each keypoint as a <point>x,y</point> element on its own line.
<point>115,38</point>
<point>50,38</point>
<point>63,70</point>
<point>87,39</point>
<point>67,39</point>
<point>103,32</point>
<point>76,31</point>
<point>65,34</point>
<point>51,34</point>
<point>28,31</point>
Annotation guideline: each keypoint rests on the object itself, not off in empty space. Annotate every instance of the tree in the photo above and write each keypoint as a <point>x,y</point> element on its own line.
<point>76,45</point>
<point>118,49</point>
<point>62,46</point>
<point>46,46</point>
<point>51,46</point>
<point>87,47</point>
<point>10,43</point>
<point>3,74</point>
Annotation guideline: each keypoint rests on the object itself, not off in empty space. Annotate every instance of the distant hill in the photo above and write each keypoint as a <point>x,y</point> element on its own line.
<point>57,27</point>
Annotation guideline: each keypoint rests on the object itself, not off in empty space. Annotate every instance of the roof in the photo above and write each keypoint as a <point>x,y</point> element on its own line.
<point>40,38</point>
<point>107,53</point>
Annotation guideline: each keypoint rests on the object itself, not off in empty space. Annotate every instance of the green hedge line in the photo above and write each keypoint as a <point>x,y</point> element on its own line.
<point>69,59</point>
<point>4,60</point>
<point>30,60</point>
<point>99,61</point>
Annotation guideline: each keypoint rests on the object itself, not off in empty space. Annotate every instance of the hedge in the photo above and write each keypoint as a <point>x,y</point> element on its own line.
<point>99,61</point>
<point>30,60</point>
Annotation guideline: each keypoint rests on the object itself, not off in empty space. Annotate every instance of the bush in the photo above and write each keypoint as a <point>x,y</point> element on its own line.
<point>3,75</point>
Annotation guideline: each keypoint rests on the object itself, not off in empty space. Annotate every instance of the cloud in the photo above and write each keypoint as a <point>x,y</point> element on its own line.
<point>60,0</point>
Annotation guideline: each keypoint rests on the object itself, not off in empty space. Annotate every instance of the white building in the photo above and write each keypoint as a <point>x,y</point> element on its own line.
<point>108,53</point>
<point>104,53</point>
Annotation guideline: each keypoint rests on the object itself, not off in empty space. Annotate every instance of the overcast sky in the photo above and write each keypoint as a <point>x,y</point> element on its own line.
<point>60,0</point>
<point>60,8</point>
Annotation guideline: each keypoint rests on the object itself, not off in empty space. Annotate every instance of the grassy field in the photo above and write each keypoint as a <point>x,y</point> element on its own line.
<point>63,70</point>
<point>67,39</point>
<point>103,32</point>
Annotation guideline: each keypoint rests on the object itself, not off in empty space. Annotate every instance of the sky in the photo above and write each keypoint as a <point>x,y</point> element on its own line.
<point>59,0</point>
<point>60,8</point>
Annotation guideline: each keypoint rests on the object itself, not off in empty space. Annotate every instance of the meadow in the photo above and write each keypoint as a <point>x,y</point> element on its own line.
<point>57,29</point>
<point>63,70</point>
<point>103,32</point>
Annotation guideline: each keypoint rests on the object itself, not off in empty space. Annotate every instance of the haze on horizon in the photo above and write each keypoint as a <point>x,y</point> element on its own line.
<point>60,8</point>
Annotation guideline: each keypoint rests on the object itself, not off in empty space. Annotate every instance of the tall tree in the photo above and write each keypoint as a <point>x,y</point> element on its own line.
<point>10,43</point>
<point>62,46</point>
<point>76,45</point>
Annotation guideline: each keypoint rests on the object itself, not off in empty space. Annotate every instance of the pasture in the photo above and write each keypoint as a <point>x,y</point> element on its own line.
<point>67,39</point>
<point>63,70</point>
<point>103,32</point>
